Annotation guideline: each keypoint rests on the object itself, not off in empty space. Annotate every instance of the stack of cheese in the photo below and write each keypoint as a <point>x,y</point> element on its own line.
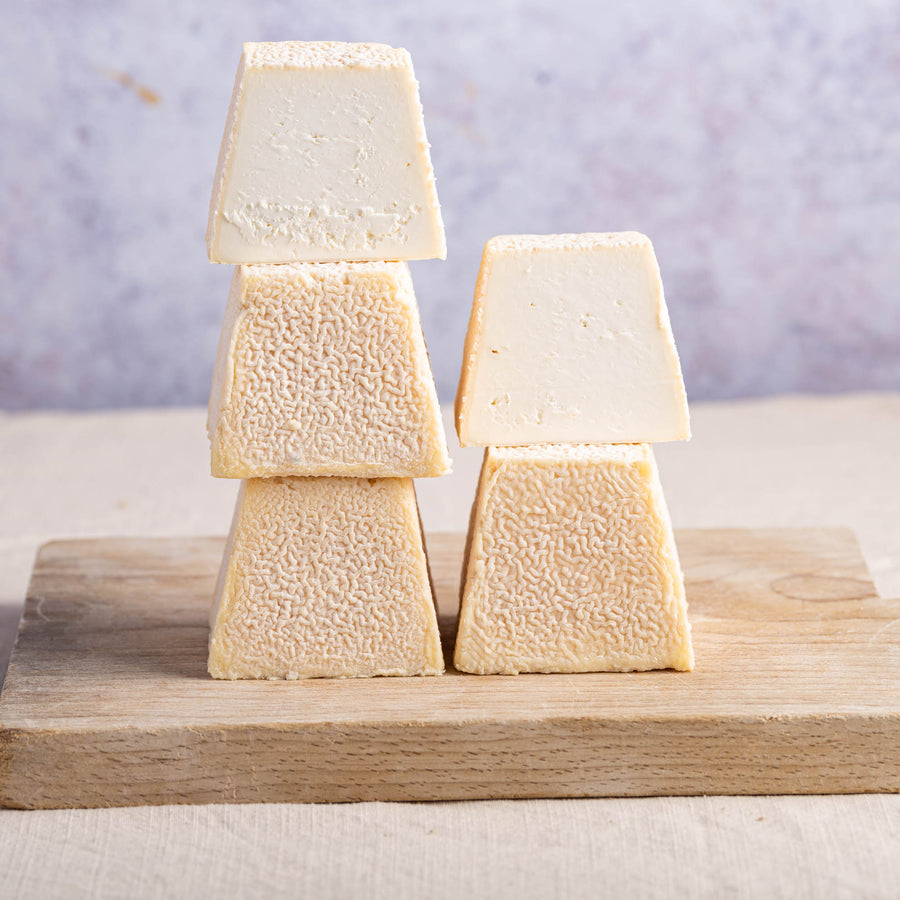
<point>569,372</point>
<point>323,398</point>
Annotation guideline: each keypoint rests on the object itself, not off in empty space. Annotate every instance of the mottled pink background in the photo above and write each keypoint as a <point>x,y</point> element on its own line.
<point>757,143</point>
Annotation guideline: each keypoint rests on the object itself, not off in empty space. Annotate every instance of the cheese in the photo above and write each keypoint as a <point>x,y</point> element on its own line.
<point>324,577</point>
<point>324,158</point>
<point>569,341</point>
<point>571,565</point>
<point>322,370</point>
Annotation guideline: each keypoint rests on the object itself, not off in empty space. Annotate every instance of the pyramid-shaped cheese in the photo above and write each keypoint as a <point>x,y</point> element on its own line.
<point>324,158</point>
<point>324,577</point>
<point>322,370</point>
<point>571,565</point>
<point>569,341</point>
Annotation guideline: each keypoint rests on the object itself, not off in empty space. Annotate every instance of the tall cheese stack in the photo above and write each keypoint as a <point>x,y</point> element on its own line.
<point>569,372</point>
<point>323,397</point>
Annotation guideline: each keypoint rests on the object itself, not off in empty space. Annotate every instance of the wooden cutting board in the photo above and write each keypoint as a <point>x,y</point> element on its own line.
<point>107,701</point>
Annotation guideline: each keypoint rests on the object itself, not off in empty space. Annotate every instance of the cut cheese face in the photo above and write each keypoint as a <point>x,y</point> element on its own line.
<point>324,577</point>
<point>569,341</point>
<point>324,158</point>
<point>571,565</point>
<point>322,370</point>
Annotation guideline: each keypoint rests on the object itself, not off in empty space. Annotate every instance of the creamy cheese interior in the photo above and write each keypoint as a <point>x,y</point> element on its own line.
<point>570,341</point>
<point>324,158</point>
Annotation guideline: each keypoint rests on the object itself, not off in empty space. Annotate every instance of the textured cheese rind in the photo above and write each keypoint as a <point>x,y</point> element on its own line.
<point>324,577</point>
<point>571,565</point>
<point>324,158</point>
<point>322,369</point>
<point>569,340</point>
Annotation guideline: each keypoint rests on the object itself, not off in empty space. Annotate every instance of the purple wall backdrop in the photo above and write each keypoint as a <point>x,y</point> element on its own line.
<point>757,143</point>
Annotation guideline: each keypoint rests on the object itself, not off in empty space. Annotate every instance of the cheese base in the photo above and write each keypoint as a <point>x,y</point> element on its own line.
<point>571,565</point>
<point>569,341</point>
<point>324,158</point>
<point>324,577</point>
<point>322,370</point>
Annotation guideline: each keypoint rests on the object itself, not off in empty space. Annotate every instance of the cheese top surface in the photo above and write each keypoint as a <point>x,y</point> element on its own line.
<point>569,341</point>
<point>572,565</point>
<point>324,577</point>
<point>322,370</point>
<point>324,158</point>
<point>324,54</point>
<point>528,243</point>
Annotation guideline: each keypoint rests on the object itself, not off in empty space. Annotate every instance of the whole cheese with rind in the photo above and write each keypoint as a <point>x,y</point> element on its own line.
<point>571,565</point>
<point>569,341</point>
<point>322,370</point>
<point>324,158</point>
<point>324,577</point>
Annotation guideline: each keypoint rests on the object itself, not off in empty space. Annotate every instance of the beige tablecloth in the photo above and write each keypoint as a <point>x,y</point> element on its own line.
<point>787,461</point>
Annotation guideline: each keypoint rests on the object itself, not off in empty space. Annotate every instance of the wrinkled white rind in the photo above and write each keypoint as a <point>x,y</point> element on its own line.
<point>569,340</point>
<point>572,565</point>
<point>324,158</point>
<point>324,577</point>
<point>322,370</point>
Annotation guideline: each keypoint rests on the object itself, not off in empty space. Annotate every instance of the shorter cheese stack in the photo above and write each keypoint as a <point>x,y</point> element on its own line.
<point>323,398</point>
<point>569,371</point>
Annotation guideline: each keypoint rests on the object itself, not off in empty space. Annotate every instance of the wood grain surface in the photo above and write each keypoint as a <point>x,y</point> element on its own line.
<point>107,701</point>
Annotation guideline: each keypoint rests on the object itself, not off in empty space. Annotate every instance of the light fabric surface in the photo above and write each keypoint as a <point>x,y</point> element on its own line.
<point>787,461</point>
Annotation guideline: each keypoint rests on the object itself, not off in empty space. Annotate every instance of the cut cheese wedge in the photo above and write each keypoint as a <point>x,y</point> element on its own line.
<point>324,158</point>
<point>571,565</point>
<point>322,370</point>
<point>324,577</point>
<point>569,341</point>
